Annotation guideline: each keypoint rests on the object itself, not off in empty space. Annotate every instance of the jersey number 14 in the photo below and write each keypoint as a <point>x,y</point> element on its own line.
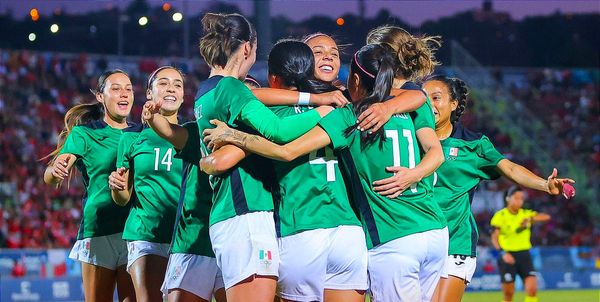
<point>166,160</point>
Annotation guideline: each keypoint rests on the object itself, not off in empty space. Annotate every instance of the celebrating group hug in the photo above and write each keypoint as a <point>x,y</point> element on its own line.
<point>308,190</point>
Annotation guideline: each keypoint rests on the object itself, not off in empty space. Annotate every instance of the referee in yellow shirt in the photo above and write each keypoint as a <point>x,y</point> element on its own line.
<point>512,237</point>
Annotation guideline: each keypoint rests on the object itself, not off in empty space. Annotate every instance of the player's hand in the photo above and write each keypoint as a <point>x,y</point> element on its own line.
<point>374,117</point>
<point>393,186</point>
<point>116,179</point>
<point>150,109</point>
<point>556,185</point>
<point>334,98</point>
<point>219,136</point>
<point>508,258</point>
<point>59,168</point>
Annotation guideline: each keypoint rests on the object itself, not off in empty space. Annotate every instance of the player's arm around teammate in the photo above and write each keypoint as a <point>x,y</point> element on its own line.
<point>89,140</point>
<point>341,128</point>
<point>146,163</point>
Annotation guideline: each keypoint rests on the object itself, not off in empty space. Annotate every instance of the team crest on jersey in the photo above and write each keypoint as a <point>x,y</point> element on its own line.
<point>176,272</point>
<point>265,257</point>
<point>452,153</point>
<point>86,249</point>
<point>198,112</point>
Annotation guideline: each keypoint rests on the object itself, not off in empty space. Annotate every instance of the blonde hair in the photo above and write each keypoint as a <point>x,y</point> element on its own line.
<point>416,55</point>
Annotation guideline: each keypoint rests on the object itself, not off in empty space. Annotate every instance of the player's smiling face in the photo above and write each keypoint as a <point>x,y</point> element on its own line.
<point>117,96</point>
<point>167,89</point>
<point>440,100</point>
<point>327,57</point>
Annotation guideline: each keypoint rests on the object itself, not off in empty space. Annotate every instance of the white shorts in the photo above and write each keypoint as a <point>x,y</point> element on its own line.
<point>311,261</point>
<point>461,266</point>
<point>408,269</point>
<point>196,274</point>
<point>139,248</point>
<point>245,245</point>
<point>108,251</point>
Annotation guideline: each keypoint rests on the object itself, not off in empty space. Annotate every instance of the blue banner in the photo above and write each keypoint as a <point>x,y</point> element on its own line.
<point>38,290</point>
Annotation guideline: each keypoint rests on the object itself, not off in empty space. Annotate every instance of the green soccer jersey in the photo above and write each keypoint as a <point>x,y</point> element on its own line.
<point>313,191</point>
<point>247,187</point>
<point>191,230</point>
<point>95,146</point>
<point>156,182</point>
<point>470,158</point>
<point>384,219</point>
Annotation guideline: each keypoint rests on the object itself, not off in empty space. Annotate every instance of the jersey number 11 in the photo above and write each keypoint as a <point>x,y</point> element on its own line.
<point>393,134</point>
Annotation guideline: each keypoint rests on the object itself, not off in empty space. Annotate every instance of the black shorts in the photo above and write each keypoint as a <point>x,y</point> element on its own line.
<point>523,267</point>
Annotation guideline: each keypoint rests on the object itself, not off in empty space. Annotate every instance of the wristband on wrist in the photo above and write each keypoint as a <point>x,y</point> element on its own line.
<point>303,98</point>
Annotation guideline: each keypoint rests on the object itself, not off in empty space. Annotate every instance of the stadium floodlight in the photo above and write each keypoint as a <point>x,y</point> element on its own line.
<point>143,21</point>
<point>177,17</point>
<point>35,14</point>
<point>54,28</point>
<point>32,37</point>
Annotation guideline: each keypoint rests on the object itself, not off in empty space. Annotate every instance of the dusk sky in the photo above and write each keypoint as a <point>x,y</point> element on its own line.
<point>413,12</point>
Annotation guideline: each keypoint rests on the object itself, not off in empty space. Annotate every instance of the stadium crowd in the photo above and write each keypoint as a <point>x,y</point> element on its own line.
<point>36,89</point>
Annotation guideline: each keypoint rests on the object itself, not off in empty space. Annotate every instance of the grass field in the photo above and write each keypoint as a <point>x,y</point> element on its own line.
<point>544,296</point>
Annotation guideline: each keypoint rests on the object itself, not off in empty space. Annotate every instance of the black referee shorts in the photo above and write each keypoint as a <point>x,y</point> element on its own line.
<point>523,267</point>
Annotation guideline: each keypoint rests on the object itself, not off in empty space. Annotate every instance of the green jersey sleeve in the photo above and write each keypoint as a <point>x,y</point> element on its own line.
<point>124,151</point>
<point>244,107</point>
<point>488,159</point>
<point>76,143</point>
<point>191,151</point>
<point>280,130</point>
<point>423,117</point>
<point>336,123</point>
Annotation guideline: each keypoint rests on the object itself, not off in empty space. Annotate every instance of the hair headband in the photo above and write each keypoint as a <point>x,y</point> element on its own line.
<point>361,68</point>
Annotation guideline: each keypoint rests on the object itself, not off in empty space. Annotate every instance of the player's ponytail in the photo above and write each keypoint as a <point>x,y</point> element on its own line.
<point>458,92</point>
<point>223,35</point>
<point>82,113</point>
<point>294,63</point>
<point>416,55</point>
<point>374,65</point>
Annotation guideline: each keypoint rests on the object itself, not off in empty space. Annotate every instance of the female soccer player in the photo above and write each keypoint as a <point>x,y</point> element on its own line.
<point>327,59</point>
<point>89,141</point>
<point>192,272</point>
<point>512,236</point>
<point>145,163</point>
<point>474,158</point>
<point>322,258</point>
<point>406,237</point>
<point>415,61</point>
<point>242,230</point>
<point>470,158</point>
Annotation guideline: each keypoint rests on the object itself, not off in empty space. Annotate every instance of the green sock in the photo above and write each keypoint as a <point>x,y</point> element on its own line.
<point>531,299</point>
